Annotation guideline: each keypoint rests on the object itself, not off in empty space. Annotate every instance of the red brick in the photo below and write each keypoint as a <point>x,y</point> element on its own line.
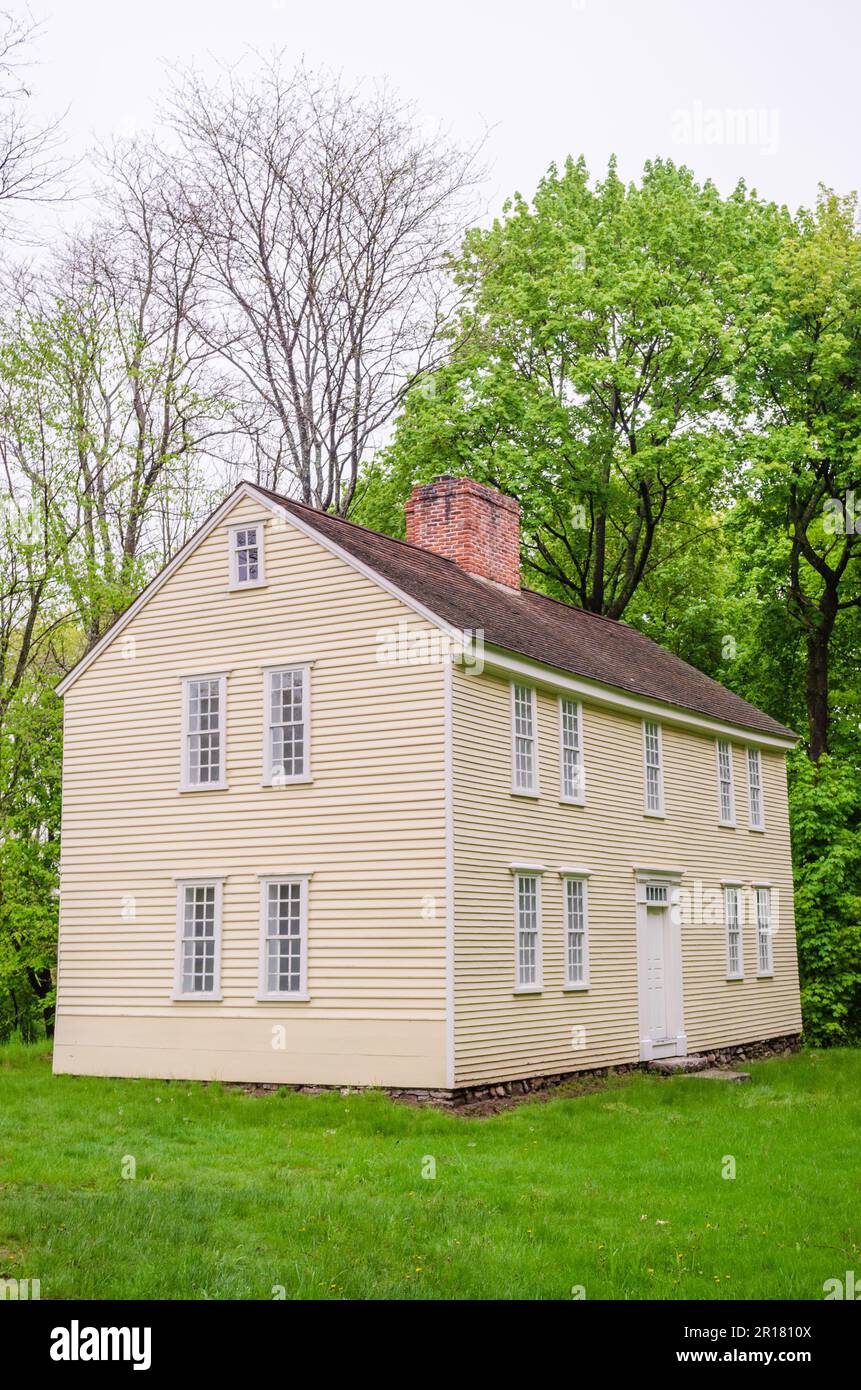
<point>474,525</point>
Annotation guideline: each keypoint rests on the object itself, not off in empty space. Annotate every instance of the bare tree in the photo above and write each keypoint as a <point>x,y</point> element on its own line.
<point>109,402</point>
<point>327,219</point>
<point>31,169</point>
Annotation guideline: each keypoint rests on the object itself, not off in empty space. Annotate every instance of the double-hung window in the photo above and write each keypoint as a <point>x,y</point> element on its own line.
<point>576,933</point>
<point>754,787</point>
<point>246,555</point>
<point>653,768</point>
<point>204,707</point>
<point>764,963</point>
<point>726,792</point>
<point>732,914</point>
<point>198,967</point>
<point>525,743</point>
<point>527,906</point>
<point>287,726</point>
<point>284,938</point>
<point>571,751</point>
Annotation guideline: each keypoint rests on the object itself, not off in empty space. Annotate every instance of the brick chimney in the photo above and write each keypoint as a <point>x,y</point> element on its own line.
<point>474,525</point>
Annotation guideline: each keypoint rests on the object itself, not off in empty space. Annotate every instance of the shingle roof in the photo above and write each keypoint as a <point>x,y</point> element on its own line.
<point>532,625</point>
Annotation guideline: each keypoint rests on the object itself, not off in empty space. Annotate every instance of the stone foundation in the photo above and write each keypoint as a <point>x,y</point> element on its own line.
<point>507,1092</point>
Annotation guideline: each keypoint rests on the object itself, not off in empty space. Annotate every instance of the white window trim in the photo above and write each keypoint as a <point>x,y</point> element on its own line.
<point>221,785</point>
<point>563,797</point>
<point>759,825</point>
<point>300,996</point>
<point>268,672</point>
<point>576,986</point>
<point>731,822</point>
<point>260,581</point>
<point>197,997</point>
<point>534,790</point>
<point>647,810</point>
<point>519,871</point>
<point>731,886</point>
<point>756,888</point>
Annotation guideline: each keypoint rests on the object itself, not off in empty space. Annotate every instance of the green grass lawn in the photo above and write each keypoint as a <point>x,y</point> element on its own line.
<point>620,1190</point>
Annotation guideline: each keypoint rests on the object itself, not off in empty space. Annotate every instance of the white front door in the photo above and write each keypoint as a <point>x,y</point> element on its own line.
<point>659,954</point>
<point>656,974</point>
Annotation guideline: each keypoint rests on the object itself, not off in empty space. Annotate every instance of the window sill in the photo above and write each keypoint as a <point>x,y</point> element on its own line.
<point>203,787</point>
<point>520,791</point>
<point>572,801</point>
<point>303,781</point>
<point>731,978</point>
<point>727,825</point>
<point>655,815</point>
<point>765,974</point>
<point>252,584</point>
<point>197,998</point>
<point>283,998</point>
<point>577,989</point>
<point>756,829</point>
<point>528,989</point>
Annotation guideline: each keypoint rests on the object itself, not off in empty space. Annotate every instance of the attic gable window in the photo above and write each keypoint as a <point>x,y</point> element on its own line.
<point>246,555</point>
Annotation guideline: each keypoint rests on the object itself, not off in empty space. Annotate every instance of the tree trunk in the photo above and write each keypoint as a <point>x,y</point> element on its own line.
<point>818,644</point>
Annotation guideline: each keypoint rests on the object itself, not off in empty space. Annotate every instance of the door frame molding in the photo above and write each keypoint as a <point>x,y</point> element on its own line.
<point>677,1046</point>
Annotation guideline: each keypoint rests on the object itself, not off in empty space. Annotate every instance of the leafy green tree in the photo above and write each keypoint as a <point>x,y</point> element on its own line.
<point>590,374</point>
<point>825,805</point>
<point>800,381</point>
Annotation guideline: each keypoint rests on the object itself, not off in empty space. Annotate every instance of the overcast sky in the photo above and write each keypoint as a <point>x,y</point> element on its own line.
<point>767,90</point>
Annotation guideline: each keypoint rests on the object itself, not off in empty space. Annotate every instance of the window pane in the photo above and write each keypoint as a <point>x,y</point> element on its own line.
<point>527,929</point>
<point>575,917</point>
<point>733,927</point>
<point>524,738</point>
<point>652,740</point>
<point>247,554</point>
<point>204,731</point>
<point>198,939</point>
<point>727,811</point>
<point>572,772</point>
<point>284,938</point>
<point>287,723</point>
<point>755,785</point>
<point>763,929</point>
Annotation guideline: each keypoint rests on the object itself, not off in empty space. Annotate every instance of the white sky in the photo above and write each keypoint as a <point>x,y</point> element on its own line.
<point>550,77</point>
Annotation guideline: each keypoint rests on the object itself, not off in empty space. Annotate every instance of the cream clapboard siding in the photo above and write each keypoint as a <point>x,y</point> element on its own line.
<point>371,826</point>
<point>500,1035</point>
